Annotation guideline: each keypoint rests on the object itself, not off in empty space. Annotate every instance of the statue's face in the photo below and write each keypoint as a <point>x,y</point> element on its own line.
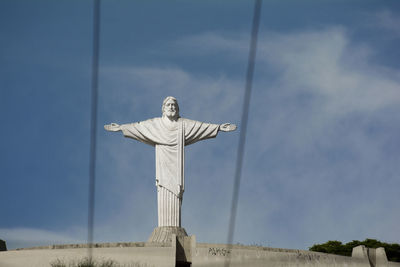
<point>171,109</point>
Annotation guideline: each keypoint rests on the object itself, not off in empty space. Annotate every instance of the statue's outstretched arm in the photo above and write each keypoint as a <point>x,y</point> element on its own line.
<point>227,127</point>
<point>113,127</point>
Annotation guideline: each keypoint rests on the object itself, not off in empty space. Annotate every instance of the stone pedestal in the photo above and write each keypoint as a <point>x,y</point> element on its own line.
<point>164,234</point>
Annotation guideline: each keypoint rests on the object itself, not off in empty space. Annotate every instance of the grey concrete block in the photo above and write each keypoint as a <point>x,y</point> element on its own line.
<point>360,252</point>
<point>380,257</point>
<point>185,248</point>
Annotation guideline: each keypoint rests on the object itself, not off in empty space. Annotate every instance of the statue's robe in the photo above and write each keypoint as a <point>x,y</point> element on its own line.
<point>170,141</point>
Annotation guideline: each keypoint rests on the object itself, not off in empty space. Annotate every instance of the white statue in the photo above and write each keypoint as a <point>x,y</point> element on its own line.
<point>170,134</point>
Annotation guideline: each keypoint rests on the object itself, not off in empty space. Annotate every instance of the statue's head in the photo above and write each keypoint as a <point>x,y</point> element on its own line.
<point>170,107</point>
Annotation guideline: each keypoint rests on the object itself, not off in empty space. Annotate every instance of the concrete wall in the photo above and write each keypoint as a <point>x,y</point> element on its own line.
<point>201,255</point>
<point>213,255</point>
<point>152,256</point>
<point>216,255</point>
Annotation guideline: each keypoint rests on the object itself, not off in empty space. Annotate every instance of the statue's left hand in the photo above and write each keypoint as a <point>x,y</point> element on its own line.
<point>227,127</point>
<point>113,127</point>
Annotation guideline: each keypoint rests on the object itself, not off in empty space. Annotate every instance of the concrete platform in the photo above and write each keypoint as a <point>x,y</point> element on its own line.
<point>123,253</point>
<point>201,254</point>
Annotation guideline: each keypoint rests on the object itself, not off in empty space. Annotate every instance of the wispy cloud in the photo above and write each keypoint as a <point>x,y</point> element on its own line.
<point>389,21</point>
<point>213,92</point>
<point>29,237</point>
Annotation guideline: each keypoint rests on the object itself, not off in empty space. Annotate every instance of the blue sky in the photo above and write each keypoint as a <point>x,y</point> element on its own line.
<point>323,147</point>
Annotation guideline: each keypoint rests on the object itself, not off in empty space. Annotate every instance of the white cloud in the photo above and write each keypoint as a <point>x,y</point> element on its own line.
<point>322,62</point>
<point>29,237</point>
<point>389,21</point>
<point>214,93</point>
<point>313,118</point>
<point>213,43</point>
<point>327,65</point>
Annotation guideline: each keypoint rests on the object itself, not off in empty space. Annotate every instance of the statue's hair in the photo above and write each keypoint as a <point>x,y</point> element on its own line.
<point>165,101</point>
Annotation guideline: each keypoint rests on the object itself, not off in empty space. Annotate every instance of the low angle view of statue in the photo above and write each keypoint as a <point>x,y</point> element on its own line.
<point>169,135</point>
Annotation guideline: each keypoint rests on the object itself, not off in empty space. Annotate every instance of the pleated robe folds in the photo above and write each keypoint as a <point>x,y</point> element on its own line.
<point>169,142</point>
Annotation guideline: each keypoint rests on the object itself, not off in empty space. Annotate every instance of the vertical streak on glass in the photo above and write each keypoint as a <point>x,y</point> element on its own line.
<point>243,128</point>
<point>93,124</point>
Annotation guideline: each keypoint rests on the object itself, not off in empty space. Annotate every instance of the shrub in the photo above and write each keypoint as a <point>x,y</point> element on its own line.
<point>336,247</point>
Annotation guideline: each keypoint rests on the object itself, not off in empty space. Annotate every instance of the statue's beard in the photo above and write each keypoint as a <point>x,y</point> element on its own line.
<point>172,114</point>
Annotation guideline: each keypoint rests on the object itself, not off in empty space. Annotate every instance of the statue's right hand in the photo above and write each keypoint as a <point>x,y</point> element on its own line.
<point>113,127</point>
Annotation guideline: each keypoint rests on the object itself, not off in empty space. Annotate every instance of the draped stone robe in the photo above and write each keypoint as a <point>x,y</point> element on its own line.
<point>169,141</point>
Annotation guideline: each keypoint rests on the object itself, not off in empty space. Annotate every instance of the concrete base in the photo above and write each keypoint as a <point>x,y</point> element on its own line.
<point>192,254</point>
<point>126,256</point>
<point>216,255</point>
<point>164,234</point>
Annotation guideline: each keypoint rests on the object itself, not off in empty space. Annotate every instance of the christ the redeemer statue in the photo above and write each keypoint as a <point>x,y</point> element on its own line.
<point>169,135</point>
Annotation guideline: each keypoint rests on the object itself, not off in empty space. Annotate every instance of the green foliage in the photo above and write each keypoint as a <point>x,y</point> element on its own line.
<point>332,247</point>
<point>87,262</point>
<point>336,247</point>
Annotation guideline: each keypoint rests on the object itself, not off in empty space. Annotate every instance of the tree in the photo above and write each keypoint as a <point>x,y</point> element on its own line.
<point>336,247</point>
